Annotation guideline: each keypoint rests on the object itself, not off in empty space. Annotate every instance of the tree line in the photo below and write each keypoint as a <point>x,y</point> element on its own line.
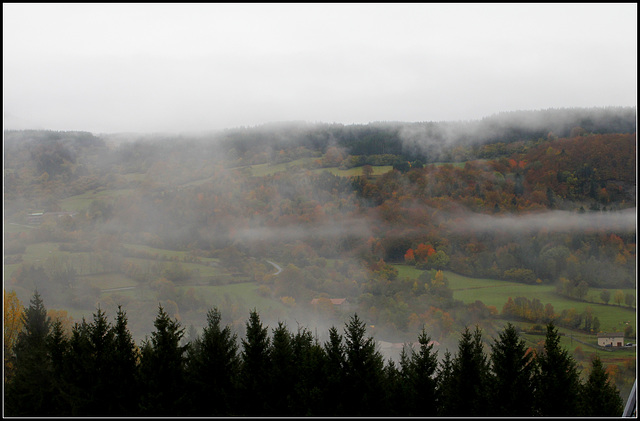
<point>97,369</point>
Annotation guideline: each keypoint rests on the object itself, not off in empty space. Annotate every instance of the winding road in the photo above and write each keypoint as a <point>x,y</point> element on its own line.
<point>275,265</point>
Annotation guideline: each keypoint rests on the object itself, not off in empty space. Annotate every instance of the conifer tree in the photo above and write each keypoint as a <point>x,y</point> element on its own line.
<point>100,369</point>
<point>363,371</point>
<point>31,391</point>
<point>101,358</point>
<point>394,403</point>
<point>421,378</point>
<point>469,377</point>
<point>513,371</point>
<point>557,381</point>
<point>599,397</point>
<point>162,369</point>
<point>334,374</point>
<point>124,368</point>
<point>254,374</point>
<point>281,371</point>
<point>310,381</point>
<point>58,345</point>
<point>213,368</point>
<point>445,385</point>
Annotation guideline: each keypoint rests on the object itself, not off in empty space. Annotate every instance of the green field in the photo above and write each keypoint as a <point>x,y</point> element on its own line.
<point>82,201</point>
<point>355,171</point>
<point>493,292</point>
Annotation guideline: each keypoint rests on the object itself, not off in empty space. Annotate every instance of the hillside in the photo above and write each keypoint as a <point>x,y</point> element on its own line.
<point>539,198</point>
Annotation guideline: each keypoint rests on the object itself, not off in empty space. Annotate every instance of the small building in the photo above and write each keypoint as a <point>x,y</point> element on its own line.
<point>611,339</point>
<point>334,301</point>
<point>35,218</point>
<point>340,304</point>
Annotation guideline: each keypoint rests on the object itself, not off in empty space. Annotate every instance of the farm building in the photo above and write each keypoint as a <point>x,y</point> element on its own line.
<point>34,218</point>
<point>611,339</point>
<point>339,303</point>
<point>334,301</point>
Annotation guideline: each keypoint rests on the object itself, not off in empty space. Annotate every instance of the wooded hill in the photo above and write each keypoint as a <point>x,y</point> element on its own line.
<point>537,197</point>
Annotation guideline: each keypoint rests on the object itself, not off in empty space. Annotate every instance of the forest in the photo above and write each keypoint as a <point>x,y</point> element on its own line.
<point>524,217</point>
<point>99,371</point>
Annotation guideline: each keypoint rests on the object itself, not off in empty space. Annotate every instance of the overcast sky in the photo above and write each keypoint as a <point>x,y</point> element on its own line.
<point>196,67</point>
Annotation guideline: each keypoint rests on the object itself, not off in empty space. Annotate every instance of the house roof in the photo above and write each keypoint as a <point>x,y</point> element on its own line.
<point>611,335</point>
<point>334,301</point>
<point>400,345</point>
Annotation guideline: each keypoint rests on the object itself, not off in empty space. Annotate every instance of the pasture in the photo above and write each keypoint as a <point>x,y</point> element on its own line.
<point>494,292</point>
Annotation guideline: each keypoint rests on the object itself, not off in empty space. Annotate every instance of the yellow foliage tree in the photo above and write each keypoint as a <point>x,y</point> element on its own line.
<point>64,318</point>
<point>13,311</point>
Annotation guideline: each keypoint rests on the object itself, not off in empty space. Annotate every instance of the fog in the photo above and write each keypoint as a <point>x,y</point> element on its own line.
<point>549,221</point>
<point>187,75</point>
<point>109,68</point>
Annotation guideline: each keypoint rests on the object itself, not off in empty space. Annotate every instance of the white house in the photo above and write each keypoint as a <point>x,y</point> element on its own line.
<point>611,339</point>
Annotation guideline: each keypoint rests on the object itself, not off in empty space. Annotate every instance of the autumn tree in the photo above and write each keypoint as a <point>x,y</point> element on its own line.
<point>618,297</point>
<point>12,325</point>
<point>367,171</point>
<point>629,299</point>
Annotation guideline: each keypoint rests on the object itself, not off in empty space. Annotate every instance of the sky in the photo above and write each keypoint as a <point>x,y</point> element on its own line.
<point>194,67</point>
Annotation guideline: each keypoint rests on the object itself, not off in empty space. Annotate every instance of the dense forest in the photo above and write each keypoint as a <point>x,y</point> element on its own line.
<point>311,223</point>
<point>98,370</point>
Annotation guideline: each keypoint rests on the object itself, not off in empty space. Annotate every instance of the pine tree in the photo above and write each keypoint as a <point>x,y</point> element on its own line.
<point>58,346</point>
<point>256,362</point>
<point>445,386</point>
<point>334,395</point>
<point>469,377</point>
<point>91,373</point>
<point>31,392</point>
<point>162,369</point>
<point>124,368</point>
<point>363,371</point>
<point>394,402</point>
<point>421,378</point>
<point>282,372</point>
<point>214,364</point>
<point>557,381</point>
<point>309,379</point>
<point>78,373</point>
<point>599,397</point>
<point>513,371</point>
<point>101,353</point>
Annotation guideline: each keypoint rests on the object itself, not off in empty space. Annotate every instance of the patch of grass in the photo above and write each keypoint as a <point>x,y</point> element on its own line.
<point>82,201</point>
<point>355,171</point>
<point>108,280</point>
<point>245,293</point>
<point>494,292</point>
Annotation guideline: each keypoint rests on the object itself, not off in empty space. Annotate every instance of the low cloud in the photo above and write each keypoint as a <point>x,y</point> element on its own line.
<point>324,230</point>
<point>552,221</point>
